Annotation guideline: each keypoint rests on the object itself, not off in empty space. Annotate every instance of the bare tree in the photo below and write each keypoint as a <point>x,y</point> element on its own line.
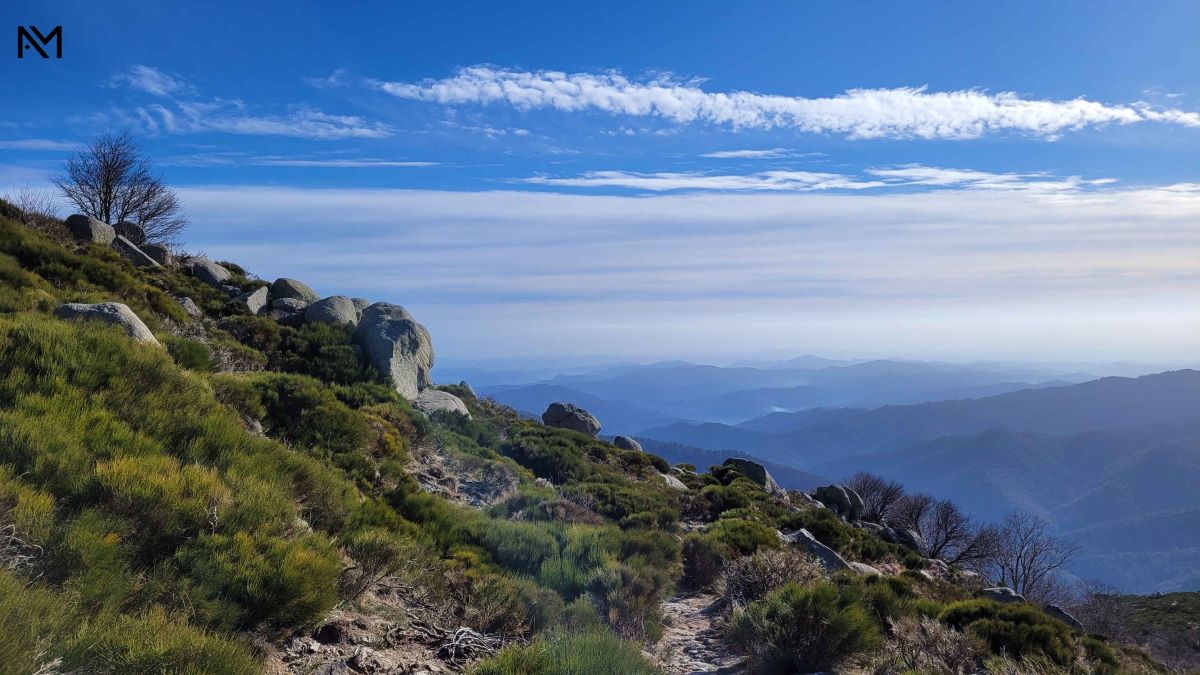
<point>946,531</point>
<point>1028,558</point>
<point>878,493</point>
<point>112,181</point>
<point>909,511</point>
<point>1100,607</point>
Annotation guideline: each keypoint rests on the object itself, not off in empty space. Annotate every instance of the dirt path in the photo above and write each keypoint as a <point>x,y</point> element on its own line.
<point>690,643</point>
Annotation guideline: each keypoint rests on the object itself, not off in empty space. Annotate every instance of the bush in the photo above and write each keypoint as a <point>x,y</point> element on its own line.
<point>753,577</point>
<point>802,629</point>
<point>925,645</point>
<point>704,559</point>
<point>248,581</point>
<point>743,536</point>
<point>1015,628</point>
<point>189,354</point>
<point>561,653</point>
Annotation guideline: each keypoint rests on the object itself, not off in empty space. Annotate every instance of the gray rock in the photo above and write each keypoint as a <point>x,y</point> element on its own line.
<point>88,230</point>
<point>828,557</point>
<point>863,568</point>
<point>910,539</point>
<point>291,288</point>
<point>808,500</point>
<point>673,482</point>
<point>280,315</point>
<point>569,416</point>
<point>1064,616</point>
<point>1002,594</point>
<point>108,312</point>
<point>131,231</point>
<point>397,345</point>
<point>334,309</point>
<point>209,272</point>
<point>626,443</point>
<point>841,500</point>
<point>360,304</point>
<point>189,306</point>
<point>252,301</point>
<point>132,253</point>
<point>759,474</point>
<point>430,401</point>
<point>469,389</point>
<point>158,253</point>
<point>230,290</point>
<point>289,304</point>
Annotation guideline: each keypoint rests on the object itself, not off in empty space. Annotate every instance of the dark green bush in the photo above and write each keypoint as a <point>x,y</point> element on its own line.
<point>1014,628</point>
<point>743,536</point>
<point>561,653</point>
<point>704,557</point>
<point>189,354</point>
<point>802,629</point>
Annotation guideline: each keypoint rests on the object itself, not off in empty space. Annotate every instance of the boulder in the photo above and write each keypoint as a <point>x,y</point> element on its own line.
<point>673,482</point>
<point>626,443</point>
<point>252,301</point>
<point>470,391</point>
<point>430,401</point>
<point>158,253</point>
<point>841,500</point>
<point>911,539</point>
<point>108,312</point>
<point>189,306</point>
<point>289,304</point>
<point>828,557</point>
<point>568,416</point>
<point>1002,594</point>
<point>863,568</point>
<point>397,345</point>
<point>759,474</point>
<point>808,500</point>
<point>1064,616</point>
<point>131,231</point>
<point>88,230</point>
<point>291,288</point>
<point>360,304</point>
<point>132,253</point>
<point>210,272</point>
<point>334,309</point>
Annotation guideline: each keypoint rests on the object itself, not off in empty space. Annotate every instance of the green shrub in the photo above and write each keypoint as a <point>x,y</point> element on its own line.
<point>802,629</point>
<point>248,581</point>
<point>189,354</point>
<point>561,653</point>
<point>1014,628</point>
<point>743,536</point>
<point>704,558</point>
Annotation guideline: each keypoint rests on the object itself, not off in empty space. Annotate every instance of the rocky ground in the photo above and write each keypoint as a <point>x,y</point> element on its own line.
<point>691,643</point>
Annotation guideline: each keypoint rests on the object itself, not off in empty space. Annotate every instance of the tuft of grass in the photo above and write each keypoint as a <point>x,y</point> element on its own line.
<point>562,653</point>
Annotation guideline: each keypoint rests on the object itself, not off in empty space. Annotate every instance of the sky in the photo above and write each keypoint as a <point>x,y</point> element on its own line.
<point>695,180</point>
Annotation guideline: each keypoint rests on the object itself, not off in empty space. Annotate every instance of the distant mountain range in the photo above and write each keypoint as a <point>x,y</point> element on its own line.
<point>1113,463</point>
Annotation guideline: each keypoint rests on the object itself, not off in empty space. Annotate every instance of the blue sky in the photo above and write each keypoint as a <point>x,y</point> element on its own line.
<point>705,180</point>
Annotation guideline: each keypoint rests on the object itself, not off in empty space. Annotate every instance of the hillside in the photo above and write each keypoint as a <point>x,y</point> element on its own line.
<point>202,472</point>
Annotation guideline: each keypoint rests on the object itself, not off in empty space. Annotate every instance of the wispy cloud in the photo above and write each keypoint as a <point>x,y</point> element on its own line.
<point>338,78</point>
<point>235,117</point>
<point>770,153</point>
<point>909,112</point>
<point>791,181</point>
<point>233,158</point>
<point>150,80</point>
<point>37,144</point>
<point>343,163</point>
<point>911,175</point>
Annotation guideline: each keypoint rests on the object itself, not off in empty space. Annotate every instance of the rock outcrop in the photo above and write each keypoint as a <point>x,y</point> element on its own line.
<point>828,557</point>
<point>252,301</point>
<point>289,304</point>
<point>291,288</point>
<point>1064,616</point>
<point>189,306</point>
<point>841,500</point>
<point>158,253</point>
<point>113,313</point>
<point>132,253</point>
<point>911,539</point>
<point>569,416</point>
<point>1002,594</point>
<point>334,309</point>
<point>673,482</point>
<point>468,390</point>
<point>88,230</point>
<point>209,272</point>
<point>131,231</point>
<point>626,443</point>
<point>393,341</point>
<point>430,401</point>
<point>759,474</point>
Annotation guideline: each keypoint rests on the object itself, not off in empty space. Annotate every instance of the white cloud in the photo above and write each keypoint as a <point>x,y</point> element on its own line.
<point>332,81</point>
<point>806,181</point>
<point>150,80</point>
<point>910,112</point>
<point>234,117</point>
<point>964,273</point>
<point>340,163</point>
<point>795,181</point>
<point>37,144</point>
<point>770,153</point>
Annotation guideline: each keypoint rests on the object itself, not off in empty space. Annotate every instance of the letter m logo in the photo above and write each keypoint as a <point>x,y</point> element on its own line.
<point>31,38</point>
